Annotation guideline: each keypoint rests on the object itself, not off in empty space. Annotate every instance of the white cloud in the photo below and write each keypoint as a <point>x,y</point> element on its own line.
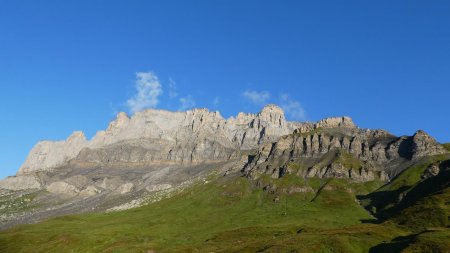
<point>293,109</point>
<point>187,102</point>
<point>256,97</point>
<point>172,89</point>
<point>148,90</point>
<point>216,102</point>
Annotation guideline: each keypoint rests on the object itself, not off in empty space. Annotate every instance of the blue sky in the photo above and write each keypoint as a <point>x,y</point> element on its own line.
<point>72,65</point>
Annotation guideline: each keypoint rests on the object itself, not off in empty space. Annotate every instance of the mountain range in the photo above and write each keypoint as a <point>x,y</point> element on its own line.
<point>193,181</point>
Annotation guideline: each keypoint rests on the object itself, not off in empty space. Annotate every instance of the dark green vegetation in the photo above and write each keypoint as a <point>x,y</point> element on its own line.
<point>423,200</point>
<point>447,146</point>
<point>235,214</point>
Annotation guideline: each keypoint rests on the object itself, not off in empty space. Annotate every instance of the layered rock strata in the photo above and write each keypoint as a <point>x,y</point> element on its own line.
<point>340,150</point>
<point>156,135</point>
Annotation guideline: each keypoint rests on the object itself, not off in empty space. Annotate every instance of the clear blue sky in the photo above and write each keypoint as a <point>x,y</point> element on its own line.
<point>71,65</point>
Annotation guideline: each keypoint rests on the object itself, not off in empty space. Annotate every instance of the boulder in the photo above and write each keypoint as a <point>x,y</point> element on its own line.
<point>63,188</point>
<point>89,191</point>
<point>158,187</point>
<point>125,188</point>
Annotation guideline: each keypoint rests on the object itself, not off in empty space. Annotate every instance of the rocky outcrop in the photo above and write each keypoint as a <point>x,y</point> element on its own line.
<point>125,188</point>
<point>158,187</point>
<point>425,145</point>
<point>47,154</point>
<point>156,135</point>
<point>335,122</point>
<point>432,171</point>
<point>73,186</point>
<point>20,183</point>
<point>332,122</point>
<point>339,168</point>
<point>63,188</point>
<point>200,136</point>
<point>374,150</point>
<point>112,184</point>
<point>89,191</point>
<point>435,169</point>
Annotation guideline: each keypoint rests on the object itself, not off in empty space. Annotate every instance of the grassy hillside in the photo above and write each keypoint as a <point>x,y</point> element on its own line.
<point>433,240</point>
<point>228,214</point>
<point>447,146</point>
<point>234,214</point>
<point>384,201</point>
<point>417,204</point>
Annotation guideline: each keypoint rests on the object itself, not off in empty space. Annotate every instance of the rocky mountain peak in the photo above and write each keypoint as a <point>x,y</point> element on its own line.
<point>76,136</point>
<point>242,118</point>
<point>271,109</point>
<point>273,114</point>
<point>120,122</point>
<point>204,114</point>
<point>420,134</point>
<point>424,144</point>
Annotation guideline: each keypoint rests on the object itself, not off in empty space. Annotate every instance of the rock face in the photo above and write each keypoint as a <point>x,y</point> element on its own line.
<point>155,135</point>
<point>63,188</point>
<point>158,187</point>
<point>47,154</point>
<point>337,148</point>
<point>332,147</point>
<point>424,145</point>
<point>432,171</point>
<point>20,183</point>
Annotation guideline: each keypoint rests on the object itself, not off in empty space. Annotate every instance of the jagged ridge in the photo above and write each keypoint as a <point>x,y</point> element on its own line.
<point>320,150</point>
<point>157,135</point>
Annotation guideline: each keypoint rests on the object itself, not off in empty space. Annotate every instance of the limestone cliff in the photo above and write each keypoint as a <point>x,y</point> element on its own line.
<point>201,136</point>
<point>48,154</point>
<point>157,135</point>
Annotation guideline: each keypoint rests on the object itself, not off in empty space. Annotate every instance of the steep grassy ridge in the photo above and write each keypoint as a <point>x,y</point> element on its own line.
<point>384,201</point>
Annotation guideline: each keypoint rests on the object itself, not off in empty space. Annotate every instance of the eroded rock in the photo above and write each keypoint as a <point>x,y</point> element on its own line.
<point>158,187</point>
<point>16,183</point>
<point>63,188</point>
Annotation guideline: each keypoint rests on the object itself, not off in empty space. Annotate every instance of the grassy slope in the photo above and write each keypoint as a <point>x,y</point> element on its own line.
<point>384,200</point>
<point>11,204</point>
<point>433,240</point>
<point>225,215</point>
<point>446,146</point>
<point>412,175</point>
<point>424,210</point>
<point>230,214</point>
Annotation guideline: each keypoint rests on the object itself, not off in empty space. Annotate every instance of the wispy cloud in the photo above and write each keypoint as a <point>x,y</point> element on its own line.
<point>257,97</point>
<point>293,109</point>
<point>187,102</point>
<point>148,89</point>
<point>172,89</point>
